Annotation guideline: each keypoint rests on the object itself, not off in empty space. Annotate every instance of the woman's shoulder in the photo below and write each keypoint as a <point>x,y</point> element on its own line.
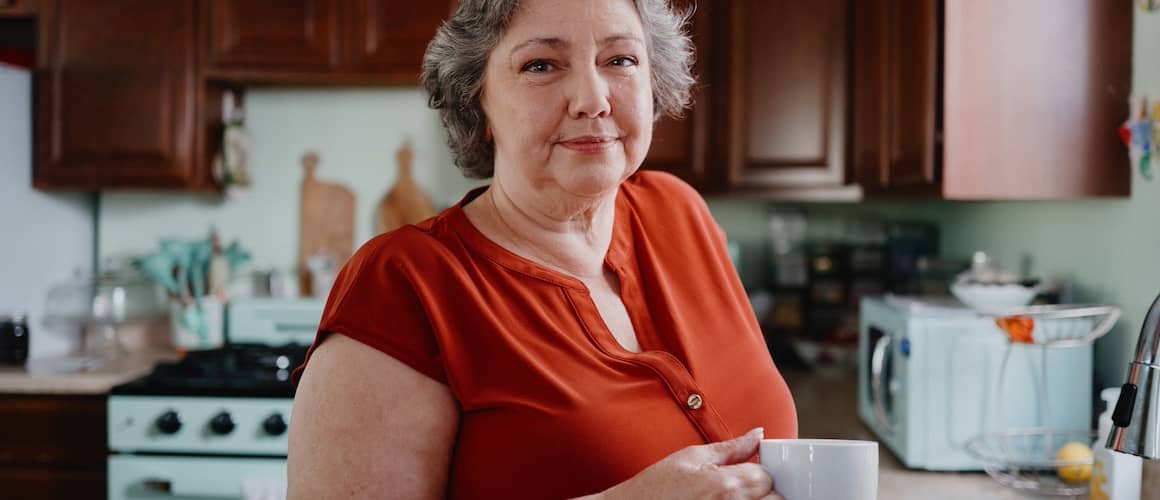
<point>411,247</point>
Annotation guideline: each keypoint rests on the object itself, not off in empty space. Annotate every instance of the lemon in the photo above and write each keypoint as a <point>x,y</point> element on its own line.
<point>1075,452</point>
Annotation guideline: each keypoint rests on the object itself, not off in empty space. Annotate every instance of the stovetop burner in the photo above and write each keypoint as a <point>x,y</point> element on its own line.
<point>238,370</point>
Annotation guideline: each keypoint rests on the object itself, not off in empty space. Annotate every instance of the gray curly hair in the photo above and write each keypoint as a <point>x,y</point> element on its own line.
<point>454,64</point>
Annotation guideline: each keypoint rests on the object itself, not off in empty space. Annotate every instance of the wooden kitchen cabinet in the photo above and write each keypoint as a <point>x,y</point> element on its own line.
<point>274,34</point>
<point>681,146</point>
<point>319,41</point>
<point>991,99</point>
<point>391,37</point>
<point>53,447</point>
<point>116,101</point>
<point>17,8</point>
<point>787,83</point>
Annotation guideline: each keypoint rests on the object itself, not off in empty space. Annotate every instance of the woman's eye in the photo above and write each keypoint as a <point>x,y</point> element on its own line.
<point>623,61</point>
<point>538,66</point>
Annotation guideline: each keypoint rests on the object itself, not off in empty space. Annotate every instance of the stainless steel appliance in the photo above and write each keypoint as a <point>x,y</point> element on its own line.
<point>214,424</point>
<point>929,381</point>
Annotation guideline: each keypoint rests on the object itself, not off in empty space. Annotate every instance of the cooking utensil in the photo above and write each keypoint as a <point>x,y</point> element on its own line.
<point>327,221</point>
<point>405,203</point>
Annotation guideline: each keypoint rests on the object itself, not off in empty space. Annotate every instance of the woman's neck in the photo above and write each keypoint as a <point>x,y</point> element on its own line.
<point>569,235</point>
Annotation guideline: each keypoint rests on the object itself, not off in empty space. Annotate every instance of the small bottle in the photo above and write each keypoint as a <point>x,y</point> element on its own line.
<point>1115,475</point>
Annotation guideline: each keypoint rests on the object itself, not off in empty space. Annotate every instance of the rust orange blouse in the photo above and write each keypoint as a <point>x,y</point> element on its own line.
<point>551,405</point>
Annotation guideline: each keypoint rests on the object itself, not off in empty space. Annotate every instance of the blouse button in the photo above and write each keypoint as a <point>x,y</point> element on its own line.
<point>694,402</point>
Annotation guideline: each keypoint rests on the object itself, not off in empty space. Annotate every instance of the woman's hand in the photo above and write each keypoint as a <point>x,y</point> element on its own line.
<point>711,471</point>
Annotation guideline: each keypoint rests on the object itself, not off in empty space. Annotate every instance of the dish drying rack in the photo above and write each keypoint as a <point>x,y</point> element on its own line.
<point>1025,459</point>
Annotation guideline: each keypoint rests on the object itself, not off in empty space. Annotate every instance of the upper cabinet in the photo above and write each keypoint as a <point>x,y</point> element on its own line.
<point>128,92</point>
<point>319,41</point>
<point>991,99</point>
<point>681,146</point>
<point>274,35</point>
<point>17,8</point>
<point>770,110</point>
<point>115,101</point>
<point>829,99</point>
<point>391,37</point>
<point>787,90</point>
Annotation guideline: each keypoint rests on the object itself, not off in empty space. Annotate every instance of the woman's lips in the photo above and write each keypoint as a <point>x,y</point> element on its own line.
<point>590,145</point>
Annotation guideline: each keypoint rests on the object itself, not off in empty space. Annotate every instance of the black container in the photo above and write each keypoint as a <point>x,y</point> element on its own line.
<point>13,339</point>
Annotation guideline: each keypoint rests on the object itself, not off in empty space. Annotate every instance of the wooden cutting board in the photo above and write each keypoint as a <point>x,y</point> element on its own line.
<point>327,221</point>
<point>405,203</point>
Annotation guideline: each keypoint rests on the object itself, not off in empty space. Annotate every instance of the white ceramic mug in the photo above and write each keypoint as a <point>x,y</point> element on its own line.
<point>822,469</point>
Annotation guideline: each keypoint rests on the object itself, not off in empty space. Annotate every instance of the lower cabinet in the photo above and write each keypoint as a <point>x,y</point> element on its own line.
<point>53,447</point>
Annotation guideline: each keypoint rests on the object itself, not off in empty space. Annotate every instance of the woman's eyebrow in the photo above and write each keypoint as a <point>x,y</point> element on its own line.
<point>553,42</point>
<point>559,43</point>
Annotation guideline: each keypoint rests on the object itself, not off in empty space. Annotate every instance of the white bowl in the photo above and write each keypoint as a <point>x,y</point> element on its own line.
<point>991,298</point>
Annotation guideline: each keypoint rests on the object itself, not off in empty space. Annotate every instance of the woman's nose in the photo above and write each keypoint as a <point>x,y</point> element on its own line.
<point>589,97</point>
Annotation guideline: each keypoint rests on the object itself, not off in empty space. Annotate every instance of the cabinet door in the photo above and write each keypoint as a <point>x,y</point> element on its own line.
<point>274,35</point>
<point>680,146</point>
<point>895,91</point>
<point>387,37</point>
<point>788,93</point>
<point>53,446</point>
<point>871,127</point>
<point>913,57</point>
<point>115,96</point>
<point>17,8</point>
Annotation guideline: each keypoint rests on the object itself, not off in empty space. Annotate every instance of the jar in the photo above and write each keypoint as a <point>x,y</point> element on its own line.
<point>14,338</point>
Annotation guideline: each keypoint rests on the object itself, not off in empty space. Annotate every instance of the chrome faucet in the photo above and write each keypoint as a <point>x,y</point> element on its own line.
<point>1136,419</point>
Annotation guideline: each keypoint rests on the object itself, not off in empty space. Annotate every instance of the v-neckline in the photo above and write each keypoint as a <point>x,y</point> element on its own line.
<point>615,261</point>
<point>613,258</point>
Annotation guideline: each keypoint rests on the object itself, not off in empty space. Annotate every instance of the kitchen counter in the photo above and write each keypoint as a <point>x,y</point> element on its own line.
<point>59,376</point>
<point>827,406</point>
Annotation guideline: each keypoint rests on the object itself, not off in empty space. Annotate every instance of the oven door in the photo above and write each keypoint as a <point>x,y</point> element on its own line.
<point>202,478</point>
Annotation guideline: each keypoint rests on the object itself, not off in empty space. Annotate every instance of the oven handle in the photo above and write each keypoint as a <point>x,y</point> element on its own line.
<point>186,489</point>
<point>877,364</point>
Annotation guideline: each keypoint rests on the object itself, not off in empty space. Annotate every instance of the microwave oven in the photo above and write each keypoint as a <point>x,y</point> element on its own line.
<point>931,378</point>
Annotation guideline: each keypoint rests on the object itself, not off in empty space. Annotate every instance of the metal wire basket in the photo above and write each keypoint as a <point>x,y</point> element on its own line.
<point>1057,325</point>
<point>1025,460</point>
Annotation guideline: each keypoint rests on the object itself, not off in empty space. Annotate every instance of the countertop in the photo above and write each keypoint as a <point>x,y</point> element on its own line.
<point>58,376</point>
<point>827,408</point>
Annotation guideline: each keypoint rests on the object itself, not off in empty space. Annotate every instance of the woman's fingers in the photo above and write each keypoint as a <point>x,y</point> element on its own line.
<point>734,450</point>
<point>749,479</point>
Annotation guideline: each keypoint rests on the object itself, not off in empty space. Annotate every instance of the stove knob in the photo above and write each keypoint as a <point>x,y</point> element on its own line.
<point>222,424</point>
<point>274,425</point>
<point>168,423</point>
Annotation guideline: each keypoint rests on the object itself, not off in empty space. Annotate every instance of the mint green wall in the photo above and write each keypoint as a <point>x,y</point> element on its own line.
<point>1109,248</point>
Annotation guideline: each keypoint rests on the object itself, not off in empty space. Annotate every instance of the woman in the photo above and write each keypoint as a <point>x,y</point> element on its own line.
<point>576,328</point>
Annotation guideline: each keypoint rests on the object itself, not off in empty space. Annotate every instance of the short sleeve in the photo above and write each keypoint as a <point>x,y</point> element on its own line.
<point>376,303</point>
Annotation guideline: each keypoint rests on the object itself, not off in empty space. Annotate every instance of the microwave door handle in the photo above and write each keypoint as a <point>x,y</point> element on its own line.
<point>877,364</point>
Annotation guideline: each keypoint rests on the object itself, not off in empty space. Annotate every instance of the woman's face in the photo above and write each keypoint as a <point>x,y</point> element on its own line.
<point>568,97</point>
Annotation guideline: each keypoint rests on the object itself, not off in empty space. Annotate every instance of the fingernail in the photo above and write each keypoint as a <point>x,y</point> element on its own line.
<point>759,433</point>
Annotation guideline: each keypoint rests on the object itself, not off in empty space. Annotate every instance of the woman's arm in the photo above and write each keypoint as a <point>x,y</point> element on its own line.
<point>365,425</point>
